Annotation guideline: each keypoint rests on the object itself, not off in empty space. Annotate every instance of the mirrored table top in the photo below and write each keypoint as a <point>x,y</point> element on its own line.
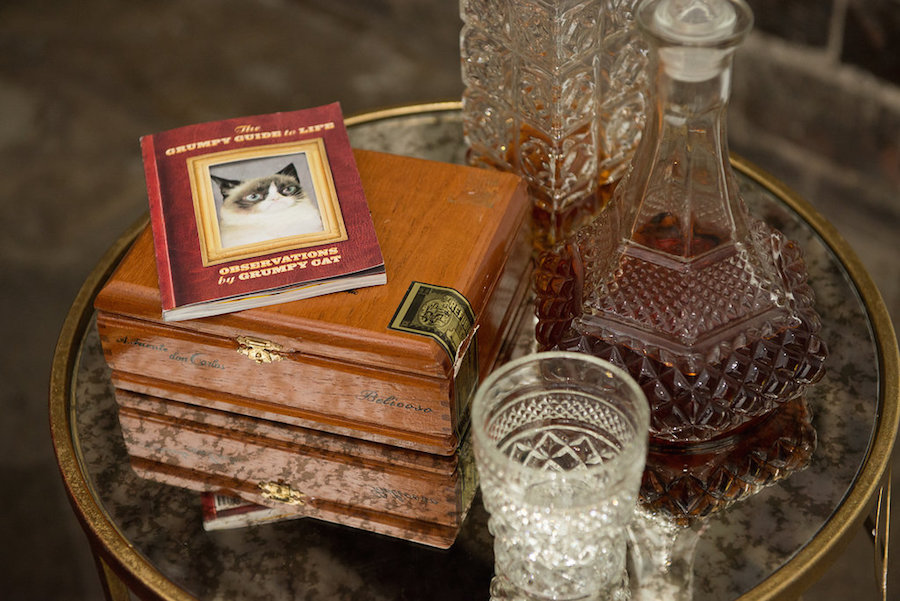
<point>768,545</point>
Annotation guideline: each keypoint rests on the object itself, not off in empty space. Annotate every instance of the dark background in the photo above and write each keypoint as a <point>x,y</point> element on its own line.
<point>816,102</point>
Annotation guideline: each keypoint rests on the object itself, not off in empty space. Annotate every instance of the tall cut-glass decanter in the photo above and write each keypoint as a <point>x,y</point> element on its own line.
<point>705,305</point>
<point>555,92</point>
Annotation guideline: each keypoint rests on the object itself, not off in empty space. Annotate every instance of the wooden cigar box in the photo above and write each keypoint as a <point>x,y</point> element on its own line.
<point>394,364</point>
<point>389,490</point>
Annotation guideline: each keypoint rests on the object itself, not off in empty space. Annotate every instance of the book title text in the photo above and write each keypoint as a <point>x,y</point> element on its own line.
<point>248,133</point>
<point>282,264</point>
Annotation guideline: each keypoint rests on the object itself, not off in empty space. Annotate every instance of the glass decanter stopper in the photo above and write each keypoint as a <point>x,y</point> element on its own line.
<point>705,305</point>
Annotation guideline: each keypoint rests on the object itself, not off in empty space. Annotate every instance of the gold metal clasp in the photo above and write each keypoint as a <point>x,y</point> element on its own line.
<point>261,351</point>
<point>282,493</point>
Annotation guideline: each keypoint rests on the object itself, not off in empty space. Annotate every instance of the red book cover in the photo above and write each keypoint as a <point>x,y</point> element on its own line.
<point>258,210</point>
<point>221,512</point>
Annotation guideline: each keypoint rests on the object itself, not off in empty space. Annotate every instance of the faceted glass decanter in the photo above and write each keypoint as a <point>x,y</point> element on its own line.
<point>554,91</point>
<point>705,305</point>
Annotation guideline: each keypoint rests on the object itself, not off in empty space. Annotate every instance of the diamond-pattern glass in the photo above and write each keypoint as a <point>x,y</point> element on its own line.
<point>705,305</point>
<point>558,66</point>
<point>560,441</point>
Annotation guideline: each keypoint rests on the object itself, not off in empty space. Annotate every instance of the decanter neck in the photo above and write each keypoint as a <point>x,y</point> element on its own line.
<point>687,202</point>
<point>684,105</point>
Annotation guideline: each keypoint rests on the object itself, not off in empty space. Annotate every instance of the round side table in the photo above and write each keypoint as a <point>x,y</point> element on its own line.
<point>148,537</point>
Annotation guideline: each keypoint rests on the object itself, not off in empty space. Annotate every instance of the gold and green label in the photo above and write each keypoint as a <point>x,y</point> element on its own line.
<point>446,316</point>
<point>437,312</point>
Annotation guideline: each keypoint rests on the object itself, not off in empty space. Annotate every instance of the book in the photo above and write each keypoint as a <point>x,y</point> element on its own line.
<point>224,512</point>
<point>259,210</point>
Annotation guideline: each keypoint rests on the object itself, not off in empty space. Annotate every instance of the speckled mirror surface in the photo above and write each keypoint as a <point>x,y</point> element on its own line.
<point>739,548</point>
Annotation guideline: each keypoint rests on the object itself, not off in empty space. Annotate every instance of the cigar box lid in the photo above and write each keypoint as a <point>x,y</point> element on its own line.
<point>446,233</point>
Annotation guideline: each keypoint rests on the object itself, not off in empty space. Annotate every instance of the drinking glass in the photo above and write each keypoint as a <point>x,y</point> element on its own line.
<point>560,444</point>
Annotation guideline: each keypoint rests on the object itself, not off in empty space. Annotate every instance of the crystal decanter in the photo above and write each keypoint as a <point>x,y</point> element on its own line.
<point>706,306</point>
<point>554,92</point>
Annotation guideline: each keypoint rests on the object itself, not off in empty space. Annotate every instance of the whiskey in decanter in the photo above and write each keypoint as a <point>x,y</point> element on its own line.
<point>554,92</point>
<point>706,306</point>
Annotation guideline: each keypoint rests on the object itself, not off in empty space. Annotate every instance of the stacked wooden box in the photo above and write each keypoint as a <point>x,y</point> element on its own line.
<point>350,407</point>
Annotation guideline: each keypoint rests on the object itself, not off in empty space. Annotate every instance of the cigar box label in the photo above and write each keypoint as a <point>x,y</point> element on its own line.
<point>408,498</point>
<point>440,313</point>
<point>468,481</point>
<point>464,384</point>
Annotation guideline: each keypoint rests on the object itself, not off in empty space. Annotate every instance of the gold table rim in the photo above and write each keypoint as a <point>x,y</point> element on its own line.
<point>787,582</point>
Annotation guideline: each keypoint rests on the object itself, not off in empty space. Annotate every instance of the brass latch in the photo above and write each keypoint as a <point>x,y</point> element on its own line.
<point>281,493</point>
<point>261,351</point>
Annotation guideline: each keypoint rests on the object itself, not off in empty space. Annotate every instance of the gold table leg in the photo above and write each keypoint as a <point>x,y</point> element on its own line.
<point>113,586</point>
<point>879,529</point>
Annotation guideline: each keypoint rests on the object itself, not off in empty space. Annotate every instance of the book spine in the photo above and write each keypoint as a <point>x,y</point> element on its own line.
<point>157,220</point>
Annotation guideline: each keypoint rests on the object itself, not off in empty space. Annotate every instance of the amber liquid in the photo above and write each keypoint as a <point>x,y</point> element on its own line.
<point>551,222</point>
<point>753,380</point>
<point>551,226</point>
<point>663,232</point>
<point>705,402</point>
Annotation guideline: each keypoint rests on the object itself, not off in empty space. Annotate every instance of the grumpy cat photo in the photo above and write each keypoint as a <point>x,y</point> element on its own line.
<point>265,208</point>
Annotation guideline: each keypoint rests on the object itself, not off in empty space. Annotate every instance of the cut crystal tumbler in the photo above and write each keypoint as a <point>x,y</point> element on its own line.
<point>560,443</point>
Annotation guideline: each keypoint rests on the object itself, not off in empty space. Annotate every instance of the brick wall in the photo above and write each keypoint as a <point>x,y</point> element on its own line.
<point>816,102</point>
<point>816,99</point>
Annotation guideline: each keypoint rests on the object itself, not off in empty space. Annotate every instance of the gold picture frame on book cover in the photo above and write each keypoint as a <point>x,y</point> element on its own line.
<point>308,162</point>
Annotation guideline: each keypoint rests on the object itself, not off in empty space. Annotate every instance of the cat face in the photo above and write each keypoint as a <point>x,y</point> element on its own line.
<point>258,195</point>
